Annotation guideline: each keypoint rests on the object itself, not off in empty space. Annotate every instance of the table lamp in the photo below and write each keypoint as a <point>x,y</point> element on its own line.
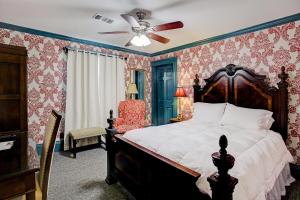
<point>132,90</point>
<point>179,93</point>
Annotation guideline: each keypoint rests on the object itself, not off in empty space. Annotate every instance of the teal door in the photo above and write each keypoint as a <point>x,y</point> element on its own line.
<point>164,103</point>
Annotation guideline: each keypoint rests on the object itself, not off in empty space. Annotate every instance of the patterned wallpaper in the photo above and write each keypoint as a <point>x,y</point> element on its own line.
<point>264,51</point>
<point>141,62</point>
<point>46,68</point>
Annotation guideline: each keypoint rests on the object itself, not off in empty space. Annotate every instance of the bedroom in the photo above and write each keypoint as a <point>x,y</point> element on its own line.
<point>207,36</point>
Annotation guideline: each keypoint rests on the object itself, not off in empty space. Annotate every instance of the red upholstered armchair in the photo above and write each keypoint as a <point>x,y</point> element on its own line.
<point>131,115</point>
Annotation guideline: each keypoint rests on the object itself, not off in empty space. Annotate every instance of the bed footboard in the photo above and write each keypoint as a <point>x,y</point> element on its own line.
<point>150,176</point>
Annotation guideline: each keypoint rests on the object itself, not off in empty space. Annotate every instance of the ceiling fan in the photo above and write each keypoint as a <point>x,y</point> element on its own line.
<point>143,30</point>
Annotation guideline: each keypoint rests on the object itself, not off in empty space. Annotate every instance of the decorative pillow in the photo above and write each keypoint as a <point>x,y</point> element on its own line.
<point>208,112</point>
<point>247,117</point>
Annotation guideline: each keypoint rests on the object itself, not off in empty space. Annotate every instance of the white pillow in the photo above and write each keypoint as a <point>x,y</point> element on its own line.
<point>268,123</point>
<point>247,117</point>
<point>208,112</point>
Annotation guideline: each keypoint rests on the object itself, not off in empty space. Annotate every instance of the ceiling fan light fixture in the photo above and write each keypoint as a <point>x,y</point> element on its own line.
<point>140,40</point>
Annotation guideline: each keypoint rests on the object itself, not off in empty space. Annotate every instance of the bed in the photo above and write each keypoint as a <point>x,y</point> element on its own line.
<point>149,170</point>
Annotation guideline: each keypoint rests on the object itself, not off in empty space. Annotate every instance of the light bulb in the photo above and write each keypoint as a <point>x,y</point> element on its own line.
<point>140,40</point>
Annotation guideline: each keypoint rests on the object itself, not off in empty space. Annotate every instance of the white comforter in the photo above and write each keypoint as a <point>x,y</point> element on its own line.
<point>260,155</point>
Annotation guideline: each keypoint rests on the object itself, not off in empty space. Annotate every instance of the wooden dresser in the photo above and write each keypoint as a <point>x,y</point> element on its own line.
<point>13,106</point>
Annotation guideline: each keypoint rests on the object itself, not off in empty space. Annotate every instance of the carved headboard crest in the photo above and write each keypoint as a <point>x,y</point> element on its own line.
<point>243,87</point>
<point>231,69</point>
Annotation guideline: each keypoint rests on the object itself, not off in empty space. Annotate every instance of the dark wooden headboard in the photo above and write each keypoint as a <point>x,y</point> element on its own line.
<point>242,87</point>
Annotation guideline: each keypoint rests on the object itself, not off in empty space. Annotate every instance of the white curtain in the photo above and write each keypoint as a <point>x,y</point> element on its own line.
<point>95,84</point>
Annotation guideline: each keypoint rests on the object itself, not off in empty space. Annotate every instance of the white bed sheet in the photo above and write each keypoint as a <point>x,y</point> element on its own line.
<point>260,155</point>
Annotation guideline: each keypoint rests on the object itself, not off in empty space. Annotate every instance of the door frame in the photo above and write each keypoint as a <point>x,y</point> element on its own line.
<point>154,66</point>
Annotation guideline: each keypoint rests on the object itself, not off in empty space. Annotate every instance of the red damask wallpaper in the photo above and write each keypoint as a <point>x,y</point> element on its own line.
<point>46,68</point>
<point>264,51</point>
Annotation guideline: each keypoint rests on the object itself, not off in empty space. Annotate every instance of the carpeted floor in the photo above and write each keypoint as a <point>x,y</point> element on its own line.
<point>83,179</point>
<point>293,192</point>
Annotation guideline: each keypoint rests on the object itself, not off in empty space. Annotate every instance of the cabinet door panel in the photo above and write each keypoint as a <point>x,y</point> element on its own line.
<point>13,85</point>
<point>9,78</point>
<point>10,117</point>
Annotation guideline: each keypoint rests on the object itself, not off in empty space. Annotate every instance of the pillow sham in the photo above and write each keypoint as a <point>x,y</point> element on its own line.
<point>208,112</point>
<point>247,117</point>
<point>268,123</point>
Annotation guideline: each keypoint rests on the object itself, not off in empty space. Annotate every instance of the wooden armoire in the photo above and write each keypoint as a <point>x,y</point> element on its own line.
<point>13,106</point>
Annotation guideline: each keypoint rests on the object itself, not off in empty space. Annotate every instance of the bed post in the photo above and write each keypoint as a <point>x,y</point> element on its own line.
<point>111,131</point>
<point>283,103</point>
<point>197,89</point>
<point>221,183</point>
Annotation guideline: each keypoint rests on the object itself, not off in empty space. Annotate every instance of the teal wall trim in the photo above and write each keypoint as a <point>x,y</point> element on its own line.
<point>67,38</point>
<point>258,27</point>
<point>154,64</point>
<point>57,147</point>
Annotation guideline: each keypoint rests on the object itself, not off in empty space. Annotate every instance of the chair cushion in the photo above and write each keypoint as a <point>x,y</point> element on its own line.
<point>87,132</point>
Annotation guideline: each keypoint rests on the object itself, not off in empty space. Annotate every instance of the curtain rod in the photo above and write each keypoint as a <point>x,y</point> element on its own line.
<point>67,48</point>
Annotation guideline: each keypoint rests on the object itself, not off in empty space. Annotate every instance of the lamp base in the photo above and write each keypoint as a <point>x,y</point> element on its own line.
<point>180,116</point>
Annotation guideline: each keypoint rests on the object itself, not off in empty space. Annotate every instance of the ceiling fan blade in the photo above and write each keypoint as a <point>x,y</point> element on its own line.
<point>168,26</point>
<point>158,38</point>
<point>112,32</point>
<point>131,20</point>
<point>128,43</point>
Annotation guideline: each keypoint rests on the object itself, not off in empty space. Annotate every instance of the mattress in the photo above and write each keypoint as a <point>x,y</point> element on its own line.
<point>261,155</point>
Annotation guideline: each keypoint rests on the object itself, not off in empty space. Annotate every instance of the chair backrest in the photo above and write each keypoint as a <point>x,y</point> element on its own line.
<point>132,110</point>
<point>47,151</point>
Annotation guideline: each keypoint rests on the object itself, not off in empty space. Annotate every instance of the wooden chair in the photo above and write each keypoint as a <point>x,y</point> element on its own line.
<point>42,178</point>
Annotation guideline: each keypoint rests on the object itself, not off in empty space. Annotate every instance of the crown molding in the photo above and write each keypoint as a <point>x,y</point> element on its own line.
<point>250,29</point>
<point>68,38</point>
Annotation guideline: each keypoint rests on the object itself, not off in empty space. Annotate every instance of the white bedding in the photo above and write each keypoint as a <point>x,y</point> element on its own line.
<point>260,154</point>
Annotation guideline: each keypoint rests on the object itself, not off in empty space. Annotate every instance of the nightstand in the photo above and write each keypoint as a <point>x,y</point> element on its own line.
<point>175,120</point>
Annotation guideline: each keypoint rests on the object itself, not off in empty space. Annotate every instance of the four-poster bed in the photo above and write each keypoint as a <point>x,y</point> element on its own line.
<point>149,175</point>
